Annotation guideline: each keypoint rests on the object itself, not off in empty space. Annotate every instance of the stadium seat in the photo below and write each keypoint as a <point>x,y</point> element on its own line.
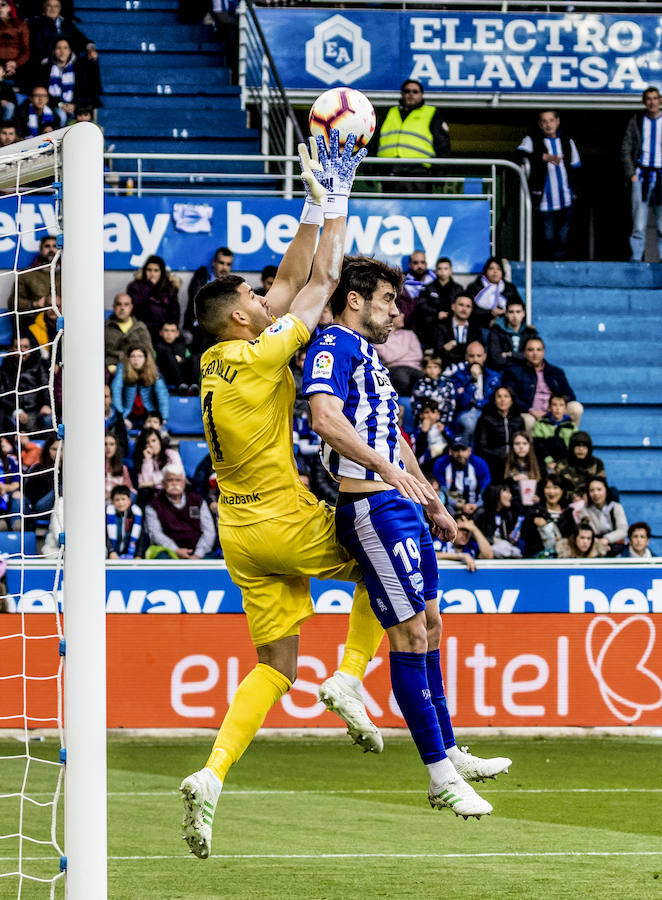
<point>192,453</point>
<point>185,416</point>
<point>408,417</point>
<point>6,330</point>
<point>10,543</point>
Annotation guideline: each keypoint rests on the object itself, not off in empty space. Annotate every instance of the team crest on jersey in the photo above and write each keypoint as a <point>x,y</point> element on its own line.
<point>416,581</point>
<point>323,365</point>
<point>279,325</point>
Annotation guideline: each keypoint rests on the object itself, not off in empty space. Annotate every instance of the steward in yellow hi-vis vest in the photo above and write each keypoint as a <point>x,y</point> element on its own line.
<point>408,139</point>
<point>415,131</point>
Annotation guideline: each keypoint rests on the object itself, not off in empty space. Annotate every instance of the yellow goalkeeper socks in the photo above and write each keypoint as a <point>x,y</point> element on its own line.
<point>364,635</point>
<point>258,692</point>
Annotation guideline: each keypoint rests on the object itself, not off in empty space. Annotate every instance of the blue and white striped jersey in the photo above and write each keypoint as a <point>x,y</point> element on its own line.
<point>343,363</point>
<point>651,143</point>
<point>557,193</point>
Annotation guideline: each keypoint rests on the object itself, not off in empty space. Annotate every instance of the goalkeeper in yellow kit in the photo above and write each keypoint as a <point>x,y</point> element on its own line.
<point>274,533</point>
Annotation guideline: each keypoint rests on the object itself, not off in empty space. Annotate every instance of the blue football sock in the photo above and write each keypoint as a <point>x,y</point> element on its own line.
<point>438,697</point>
<point>412,693</point>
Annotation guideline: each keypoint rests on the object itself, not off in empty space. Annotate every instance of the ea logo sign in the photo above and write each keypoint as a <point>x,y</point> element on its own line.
<point>617,655</point>
<point>337,52</point>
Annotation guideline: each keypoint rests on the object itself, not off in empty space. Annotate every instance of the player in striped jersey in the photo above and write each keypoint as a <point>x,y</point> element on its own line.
<point>641,154</point>
<point>553,159</point>
<point>380,520</point>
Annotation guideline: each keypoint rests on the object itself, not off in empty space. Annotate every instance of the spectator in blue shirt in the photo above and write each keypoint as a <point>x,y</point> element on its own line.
<point>469,545</point>
<point>123,525</point>
<point>138,388</point>
<point>463,477</point>
<point>474,385</point>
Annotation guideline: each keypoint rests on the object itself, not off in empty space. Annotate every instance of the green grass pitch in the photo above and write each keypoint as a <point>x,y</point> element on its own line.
<point>314,818</point>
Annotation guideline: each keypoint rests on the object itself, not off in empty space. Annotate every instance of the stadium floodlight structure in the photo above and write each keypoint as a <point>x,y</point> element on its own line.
<point>68,164</point>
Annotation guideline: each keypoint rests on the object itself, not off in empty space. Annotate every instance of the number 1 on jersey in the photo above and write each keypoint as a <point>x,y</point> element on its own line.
<point>212,436</point>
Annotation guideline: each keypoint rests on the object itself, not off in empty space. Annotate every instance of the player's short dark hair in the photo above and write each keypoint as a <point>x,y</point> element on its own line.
<point>651,89</point>
<point>223,251</point>
<point>514,301</point>
<point>215,301</point>
<point>444,259</point>
<point>551,109</point>
<point>169,322</point>
<point>362,274</point>
<point>268,272</point>
<point>533,337</point>
<point>644,527</point>
<point>558,397</point>
<point>120,489</point>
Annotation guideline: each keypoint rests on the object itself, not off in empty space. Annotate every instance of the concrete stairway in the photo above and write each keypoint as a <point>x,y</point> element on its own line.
<point>167,88</point>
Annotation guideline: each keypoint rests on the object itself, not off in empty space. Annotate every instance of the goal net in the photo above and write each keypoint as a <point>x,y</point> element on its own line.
<point>52,576</point>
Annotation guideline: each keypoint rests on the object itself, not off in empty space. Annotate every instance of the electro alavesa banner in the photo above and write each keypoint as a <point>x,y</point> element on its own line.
<point>465,52</point>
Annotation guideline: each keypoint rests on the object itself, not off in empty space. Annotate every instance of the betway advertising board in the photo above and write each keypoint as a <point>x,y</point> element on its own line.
<point>187,231</point>
<point>465,52</point>
<point>207,589</point>
<point>181,671</point>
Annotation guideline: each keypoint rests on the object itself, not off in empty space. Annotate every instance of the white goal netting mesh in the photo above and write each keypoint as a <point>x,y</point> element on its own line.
<point>32,858</point>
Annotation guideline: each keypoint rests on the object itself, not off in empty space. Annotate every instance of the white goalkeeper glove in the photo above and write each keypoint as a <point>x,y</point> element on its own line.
<point>338,172</point>
<point>311,175</point>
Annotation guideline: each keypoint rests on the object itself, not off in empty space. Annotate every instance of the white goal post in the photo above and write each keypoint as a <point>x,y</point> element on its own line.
<point>73,158</point>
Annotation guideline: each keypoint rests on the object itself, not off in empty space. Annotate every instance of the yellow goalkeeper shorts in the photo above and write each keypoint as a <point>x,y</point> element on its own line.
<point>272,563</point>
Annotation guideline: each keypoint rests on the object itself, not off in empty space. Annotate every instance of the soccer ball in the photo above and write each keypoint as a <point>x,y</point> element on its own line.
<point>346,109</point>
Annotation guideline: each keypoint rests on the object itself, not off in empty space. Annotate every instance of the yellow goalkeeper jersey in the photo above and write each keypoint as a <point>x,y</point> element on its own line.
<point>247,394</point>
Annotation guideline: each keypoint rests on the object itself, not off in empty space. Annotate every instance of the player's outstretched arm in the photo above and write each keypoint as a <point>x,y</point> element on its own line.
<point>338,174</point>
<point>444,525</point>
<point>335,430</point>
<point>295,266</point>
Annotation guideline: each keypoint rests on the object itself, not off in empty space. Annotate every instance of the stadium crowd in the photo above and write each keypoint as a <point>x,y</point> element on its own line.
<point>494,424</point>
<point>49,69</point>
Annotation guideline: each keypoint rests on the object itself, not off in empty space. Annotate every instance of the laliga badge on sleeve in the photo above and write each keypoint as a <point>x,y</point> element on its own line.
<point>280,325</point>
<point>322,365</point>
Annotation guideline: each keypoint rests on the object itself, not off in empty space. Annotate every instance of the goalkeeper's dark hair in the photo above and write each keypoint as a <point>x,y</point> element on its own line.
<point>362,274</point>
<point>215,302</point>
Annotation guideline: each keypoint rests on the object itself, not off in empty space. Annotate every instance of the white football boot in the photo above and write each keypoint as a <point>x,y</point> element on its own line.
<point>200,793</point>
<point>473,768</point>
<point>459,796</point>
<point>346,701</point>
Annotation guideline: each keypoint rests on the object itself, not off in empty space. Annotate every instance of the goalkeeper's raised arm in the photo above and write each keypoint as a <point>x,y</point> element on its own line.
<point>336,174</point>
<point>294,269</point>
